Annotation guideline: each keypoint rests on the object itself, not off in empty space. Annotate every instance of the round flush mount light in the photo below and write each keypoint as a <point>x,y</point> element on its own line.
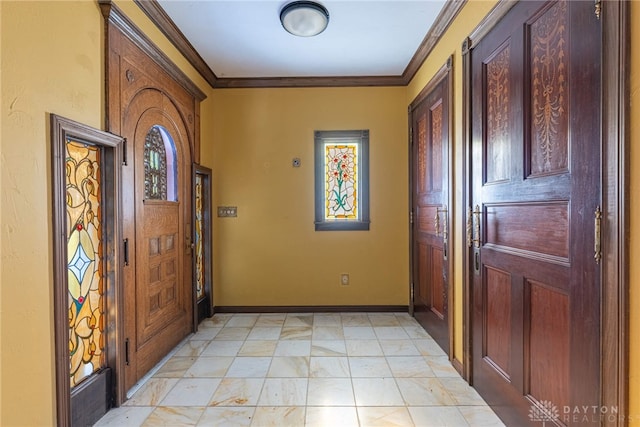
<point>304,18</point>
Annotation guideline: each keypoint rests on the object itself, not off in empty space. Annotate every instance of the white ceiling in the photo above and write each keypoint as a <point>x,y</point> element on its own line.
<point>244,38</point>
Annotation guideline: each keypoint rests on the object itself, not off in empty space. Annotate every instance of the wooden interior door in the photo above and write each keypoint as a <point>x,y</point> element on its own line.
<point>535,170</point>
<point>430,192</point>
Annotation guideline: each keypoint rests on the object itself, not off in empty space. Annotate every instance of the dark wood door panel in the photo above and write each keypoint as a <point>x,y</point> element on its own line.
<point>535,136</point>
<point>430,192</point>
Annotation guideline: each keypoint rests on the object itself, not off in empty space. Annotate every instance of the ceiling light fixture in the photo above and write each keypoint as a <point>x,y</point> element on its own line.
<point>304,18</point>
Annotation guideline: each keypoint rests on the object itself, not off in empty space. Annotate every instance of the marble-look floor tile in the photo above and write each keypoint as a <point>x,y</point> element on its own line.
<point>237,392</point>
<point>289,367</point>
<point>242,320</point>
<point>222,348</point>
<point>390,332</point>
<point>271,320</point>
<point>480,416</point>
<point>424,392</point>
<point>299,320</point>
<point>219,320</point>
<point>296,332</point>
<point>192,348</point>
<point>327,416</point>
<point>428,347</point>
<point>293,348</point>
<point>463,394</point>
<point>209,367</point>
<point>394,416</point>
<point>409,366</point>
<point>258,348</point>
<point>416,332</point>
<point>355,319</point>
<point>370,367</point>
<point>327,333</point>
<point>329,367</point>
<point>278,416</point>
<point>377,392</point>
<point>227,417</point>
<point>229,333</point>
<point>364,348</point>
<point>174,416</point>
<point>437,416</point>
<point>442,367</point>
<point>359,333</point>
<point>399,348</point>
<point>327,319</point>
<point>264,333</point>
<point>175,367</point>
<point>383,319</point>
<point>330,392</point>
<point>249,367</point>
<point>205,334</point>
<point>152,392</point>
<point>284,392</point>
<point>328,348</point>
<point>130,416</point>
<point>191,392</point>
<point>404,319</point>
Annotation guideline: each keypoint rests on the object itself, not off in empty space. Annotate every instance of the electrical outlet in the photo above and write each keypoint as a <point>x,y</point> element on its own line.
<point>344,279</point>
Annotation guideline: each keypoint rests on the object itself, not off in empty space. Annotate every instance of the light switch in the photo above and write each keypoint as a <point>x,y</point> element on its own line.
<point>227,211</point>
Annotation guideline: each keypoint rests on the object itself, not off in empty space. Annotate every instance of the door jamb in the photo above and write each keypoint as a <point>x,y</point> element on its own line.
<point>614,198</point>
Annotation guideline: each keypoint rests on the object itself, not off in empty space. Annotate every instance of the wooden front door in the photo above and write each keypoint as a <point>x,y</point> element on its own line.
<point>430,192</point>
<point>155,108</point>
<point>159,186</point>
<point>535,171</point>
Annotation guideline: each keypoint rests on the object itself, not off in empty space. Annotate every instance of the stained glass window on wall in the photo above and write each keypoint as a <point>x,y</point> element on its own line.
<point>199,242</point>
<point>85,266</point>
<point>342,180</point>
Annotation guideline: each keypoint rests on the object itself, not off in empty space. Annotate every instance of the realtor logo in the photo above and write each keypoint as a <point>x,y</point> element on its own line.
<point>544,411</point>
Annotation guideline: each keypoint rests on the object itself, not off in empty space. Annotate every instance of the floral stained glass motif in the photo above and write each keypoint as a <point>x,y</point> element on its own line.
<point>155,166</point>
<point>85,265</point>
<point>199,243</point>
<point>341,181</point>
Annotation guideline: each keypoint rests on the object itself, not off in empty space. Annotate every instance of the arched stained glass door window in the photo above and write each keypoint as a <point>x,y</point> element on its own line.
<point>159,165</point>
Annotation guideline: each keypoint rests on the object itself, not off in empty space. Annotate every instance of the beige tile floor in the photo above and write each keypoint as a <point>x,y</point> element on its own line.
<point>322,369</point>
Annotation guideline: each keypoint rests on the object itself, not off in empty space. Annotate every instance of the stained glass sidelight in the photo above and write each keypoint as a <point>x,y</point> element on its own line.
<point>199,234</point>
<point>155,166</point>
<point>341,181</point>
<point>84,267</point>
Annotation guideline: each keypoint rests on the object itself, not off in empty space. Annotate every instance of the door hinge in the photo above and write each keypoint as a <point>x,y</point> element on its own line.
<point>126,351</point>
<point>597,235</point>
<point>411,217</point>
<point>598,8</point>
<point>125,250</point>
<point>124,152</point>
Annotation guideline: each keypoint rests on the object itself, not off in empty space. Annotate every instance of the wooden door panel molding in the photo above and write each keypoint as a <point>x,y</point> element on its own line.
<point>496,348</point>
<point>541,228</point>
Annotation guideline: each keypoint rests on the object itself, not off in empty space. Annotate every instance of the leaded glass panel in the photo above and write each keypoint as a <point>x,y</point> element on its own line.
<point>155,166</point>
<point>341,181</point>
<point>85,266</point>
<point>199,242</point>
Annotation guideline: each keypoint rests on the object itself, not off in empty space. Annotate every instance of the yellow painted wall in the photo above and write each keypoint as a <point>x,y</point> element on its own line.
<point>51,62</point>
<point>634,242</point>
<point>270,254</point>
<point>451,44</point>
